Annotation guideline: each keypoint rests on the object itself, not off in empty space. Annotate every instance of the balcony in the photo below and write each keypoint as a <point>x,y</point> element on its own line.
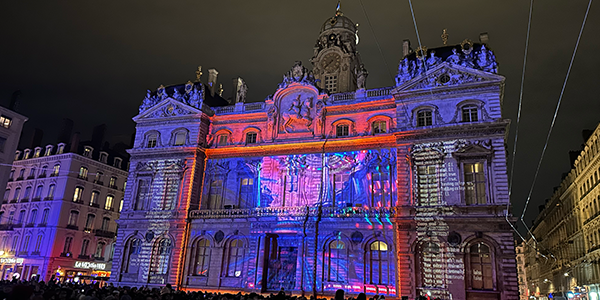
<point>13,201</point>
<point>82,256</point>
<point>87,230</point>
<point>104,233</point>
<point>24,200</point>
<point>6,227</point>
<point>23,253</point>
<point>95,205</point>
<point>42,225</point>
<point>98,258</point>
<point>29,225</point>
<point>78,201</point>
<point>17,225</point>
<point>49,198</point>
<point>36,199</point>
<point>74,227</point>
<point>19,178</point>
<point>67,254</point>
<point>53,174</point>
<point>100,182</point>
<point>35,253</point>
<point>113,186</point>
<point>31,177</point>
<point>82,177</point>
<point>10,179</point>
<point>43,175</point>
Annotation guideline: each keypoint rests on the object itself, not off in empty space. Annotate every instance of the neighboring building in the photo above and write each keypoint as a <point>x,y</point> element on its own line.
<point>59,212</point>
<point>523,287</point>
<point>399,190</point>
<point>11,124</point>
<point>564,256</point>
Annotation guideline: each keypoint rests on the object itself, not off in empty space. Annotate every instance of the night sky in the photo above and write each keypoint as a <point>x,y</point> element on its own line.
<point>92,61</point>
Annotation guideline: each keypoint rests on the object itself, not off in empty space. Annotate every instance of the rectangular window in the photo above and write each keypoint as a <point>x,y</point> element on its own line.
<point>142,194</point>
<point>83,173</point>
<point>246,193</point>
<point>152,141</point>
<point>84,247</point>
<point>424,118</point>
<point>380,189</point>
<point>427,185</point>
<point>113,182</point>
<point>251,137</point>
<point>38,243</point>
<point>379,127</point>
<point>331,83</point>
<point>343,191</point>
<point>109,202</point>
<point>77,194</point>
<point>105,223</point>
<point>469,113</point>
<point>55,170</point>
<point>215,195</point>
<point>5,121</point>
<point>67,246</point>
<point>73,216</point>
<point>94,198</point>
<point>474,183</point>
<point>223,140</point>
<point>180,138</point>
<point>25,245</point>
<point>38,192</point>
<point>89,223</point>
<point>45,216</point>
<point>342,130</point>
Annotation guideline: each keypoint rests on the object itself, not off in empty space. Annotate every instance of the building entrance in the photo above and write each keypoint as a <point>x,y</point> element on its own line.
<point>282,269</point>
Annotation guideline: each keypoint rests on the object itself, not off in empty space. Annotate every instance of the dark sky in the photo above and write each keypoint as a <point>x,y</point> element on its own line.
<point>92,61</point>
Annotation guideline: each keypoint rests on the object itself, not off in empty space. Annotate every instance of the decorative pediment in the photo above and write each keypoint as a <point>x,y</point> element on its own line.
<point>191,94</point>
<point>169,107</point>
<point>472,149</point>
<point>446,74</point>
<point>299,74</point>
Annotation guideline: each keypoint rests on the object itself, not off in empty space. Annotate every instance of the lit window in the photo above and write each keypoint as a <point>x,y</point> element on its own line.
<point>246,192</point>
<point>109,202</point>
<point>474,183</point>
<point>331,83</point>
<point>48,150</point>
<point>251,137</point>
<point>51,192</point>
<point>112,183</point>
<point>161,255</point>
<point>342,130</point>
<point>5,121</point>
<point>77,194</point>
<point>37,152</point>
<point>235,259</point>
<point>223,139</point>
<point>424,118</point>
<point>55,170</point>
<point>427,184</point>
<point>152,140</point>
<point>73,217</point>
<point>202,262</point>
<point>469,113</point>
<point>94,198</point>
<point>377,263</point>
<point>61,149</point>
<point>343,190</point>
<point>98,178</point>
<point>83,173</point>
<point>481,267</point>
<point>87,151</point>
<point>180,138</point>
<point>379,127</point>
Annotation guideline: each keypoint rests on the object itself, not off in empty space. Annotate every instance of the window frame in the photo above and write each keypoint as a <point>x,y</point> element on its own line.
<point>469,108</point>
<point>251,138</point>
<point>469,270</point>
<point>424,120</point>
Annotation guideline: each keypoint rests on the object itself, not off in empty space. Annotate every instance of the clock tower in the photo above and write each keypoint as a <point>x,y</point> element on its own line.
<point>335,61</point>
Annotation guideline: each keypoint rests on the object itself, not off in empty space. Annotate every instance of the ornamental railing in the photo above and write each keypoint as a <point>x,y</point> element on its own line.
<point>254,106</point>
<point>379,92</point>
<point>297,211</point>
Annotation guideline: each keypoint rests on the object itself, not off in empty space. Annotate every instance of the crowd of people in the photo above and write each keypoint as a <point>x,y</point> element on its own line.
<point>33,290</point>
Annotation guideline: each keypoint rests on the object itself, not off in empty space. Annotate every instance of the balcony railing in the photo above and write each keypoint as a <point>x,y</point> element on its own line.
<point>6,227</point>
<point>94,205</point>
<point>336,212</point>
<point>43,175</point>
<point>20,178</point>
<point>78,201</point>
<point>36,199</point>
<point>66,254</point>
<point>13,201</point>
<point>29,225</point>
<point>82,256</point>
<point>53,174</point>
<point>113,186</point>
<point>10,179</point>
<point>74,227</point>
<point>49,198</point>
<point>35,253</point>
<point>100,182</point>
<point>82,177</point>
<point>31,177</point>
<point>42,225</point>
<point>24,200</point>
<point>104,233</point>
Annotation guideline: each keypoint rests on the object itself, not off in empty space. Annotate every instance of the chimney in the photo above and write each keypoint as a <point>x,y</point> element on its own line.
<point>406,47</point>
<point>65,131</point>
<point>36,139</point>
<point>74,143</point>
<point>14,101</point>
<point>483,38</point>
<point>212,81</point>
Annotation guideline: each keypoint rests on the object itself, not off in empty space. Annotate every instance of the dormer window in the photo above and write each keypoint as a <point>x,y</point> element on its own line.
<point>17,155</point>
<point>48,150</point>
<point>117,163</point>
<point>5,121</point>
<point>152,140</point>
<point>180,138</point>
<point>87,151</point>
<point>424,118</point>
<point>379,127</point>
<point>251,137</point>
<point>342,130</point>
<point>222,139</point>
<point>37,152</point>
<point>26,153</point>
<point>61,148</point>
<point>469,113</point>
<point>103,157</point>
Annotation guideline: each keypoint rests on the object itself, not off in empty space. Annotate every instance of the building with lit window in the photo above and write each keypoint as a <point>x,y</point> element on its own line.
<point>399,190</point>
<point>59,212</point>
<point>564,256</point>
<point>521,270</point>
<point>11,124</point>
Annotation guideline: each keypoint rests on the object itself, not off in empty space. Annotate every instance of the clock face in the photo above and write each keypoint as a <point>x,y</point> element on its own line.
<point>331,62</point>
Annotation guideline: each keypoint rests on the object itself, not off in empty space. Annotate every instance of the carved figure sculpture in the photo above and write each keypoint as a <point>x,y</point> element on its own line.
<point>433,60</point>
<point>361,77</point>
<point>454,58</point>
<point>294,112</point>
<point>306,111</point>
<point>486,60</point>
<point>241,94</point>
<point>404,72</point>
<point>320,116</point>
<point>271,120</point>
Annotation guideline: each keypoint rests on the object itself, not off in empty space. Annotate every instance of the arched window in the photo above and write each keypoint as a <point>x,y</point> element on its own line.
<point>45,214</point>
<point>480,267</point>
<point>84,248</point>
<point>43,172</point>
<point>180,138</point>
<point>17,194</point>
<point>143,190</point>
<point>108,205</point>
<point>152,140</point>
<point>55,170</point>
<point>32,217</point>
<point>94,199</point>
<point>336,262</point>
<point>235,258</point>
<point>38,192</point>
<point>429,255</point>
<point>21,218</point>
<point>202,258</point>
<point>27,194</point>
<point>25,245</point>
<point>424,117</point>
<point>131,261</point>
<point>6,194</point>
<point>377,271</point>
<point>469,113</point>
<point>161,254</point>
<point>78,194</point>
<point>50,195</point>
<point>342,130</point>
<point>251,137</point>
<point>222,139</point>
<point>100,250</point>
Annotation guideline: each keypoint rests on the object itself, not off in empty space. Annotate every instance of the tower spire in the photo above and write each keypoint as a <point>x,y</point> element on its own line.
<point>338,8</point>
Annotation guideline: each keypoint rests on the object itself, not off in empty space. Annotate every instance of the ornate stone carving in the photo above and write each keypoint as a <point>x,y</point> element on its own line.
<point>320,117</point>
<point>298,111</point>
<point>361,77</point>
<point>191,94</point>
<point>241,93</point>
<point>298,73</point>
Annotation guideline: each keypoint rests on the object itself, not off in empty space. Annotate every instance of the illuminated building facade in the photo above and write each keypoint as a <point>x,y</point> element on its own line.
<point>521,270</point>
<point>11,124</point>
<point>398,190</point>
<point>59,213</point>
<point>565,255</point>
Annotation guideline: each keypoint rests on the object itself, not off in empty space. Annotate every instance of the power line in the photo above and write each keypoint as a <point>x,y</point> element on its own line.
<point>554,119</point>
<point>387,67</point>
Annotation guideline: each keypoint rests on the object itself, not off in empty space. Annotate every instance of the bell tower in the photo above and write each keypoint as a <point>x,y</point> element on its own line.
<point>335,61</point>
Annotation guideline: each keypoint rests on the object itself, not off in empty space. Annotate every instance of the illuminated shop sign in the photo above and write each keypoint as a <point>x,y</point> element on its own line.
<point>90,265</point>
<point>11,260</point>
